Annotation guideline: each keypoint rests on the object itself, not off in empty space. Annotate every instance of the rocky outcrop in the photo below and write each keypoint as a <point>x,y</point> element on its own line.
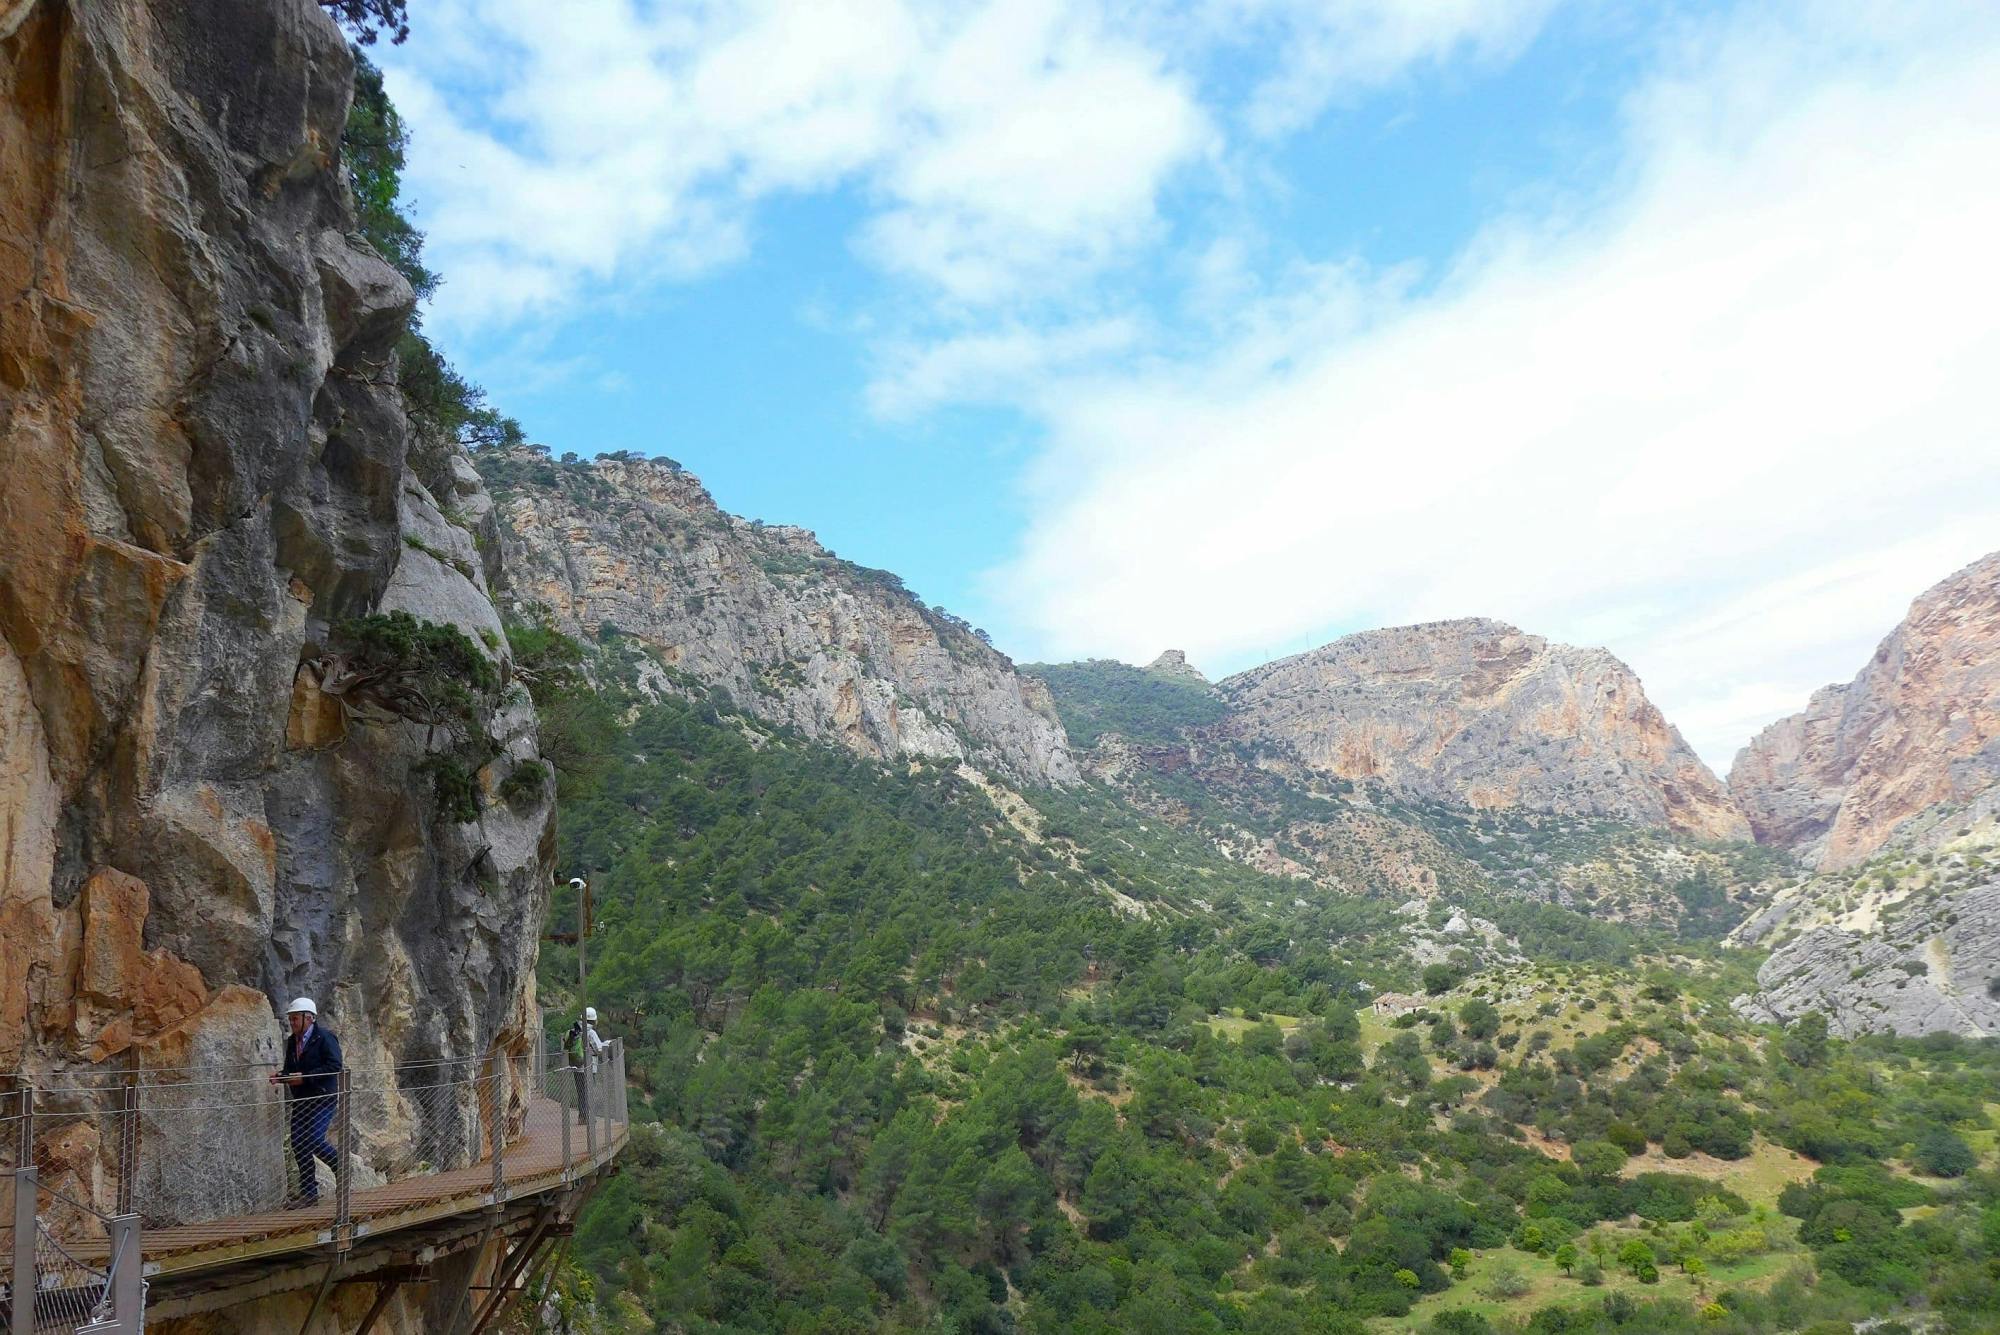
<point>207,468</point>
<point>1918,727</point>
<point>1475,713</point>
<point>1174,663</point>
<point>1933,968</point>
<point>796,636</point>
<point>1906,942</point>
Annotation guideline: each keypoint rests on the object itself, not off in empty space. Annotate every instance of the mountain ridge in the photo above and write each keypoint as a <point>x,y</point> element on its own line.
<point>795,634</point>
<point>1430,708</point>
<point>1918,726</point>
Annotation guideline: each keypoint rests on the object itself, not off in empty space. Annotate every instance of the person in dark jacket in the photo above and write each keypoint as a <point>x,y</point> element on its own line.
<point>311,1077</point>
<point>584,1048</point>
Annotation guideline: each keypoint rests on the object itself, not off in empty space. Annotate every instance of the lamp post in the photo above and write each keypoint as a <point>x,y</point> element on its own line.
<point>582,888</point>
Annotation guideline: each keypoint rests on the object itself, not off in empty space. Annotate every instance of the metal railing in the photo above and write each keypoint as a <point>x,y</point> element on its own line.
<point>71,1267</point>
<point>187,1162</point>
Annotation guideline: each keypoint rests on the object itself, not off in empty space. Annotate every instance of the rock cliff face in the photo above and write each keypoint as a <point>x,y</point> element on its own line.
<point>1919,726</point>
<point>1477,714</point>
<point>1907,941</point>
<point>795,635</point>
<point>1913,947</point>
<point>206,468</point>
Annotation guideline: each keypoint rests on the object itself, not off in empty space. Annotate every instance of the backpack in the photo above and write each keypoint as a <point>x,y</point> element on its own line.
<point>573,1042</point>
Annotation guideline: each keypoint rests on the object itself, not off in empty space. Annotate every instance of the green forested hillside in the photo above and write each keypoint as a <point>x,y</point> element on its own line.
<point>904,1063</point>
<point>1103,695</point>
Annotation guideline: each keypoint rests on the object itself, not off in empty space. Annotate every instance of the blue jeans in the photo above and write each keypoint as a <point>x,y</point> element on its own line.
<point>310,1119</point>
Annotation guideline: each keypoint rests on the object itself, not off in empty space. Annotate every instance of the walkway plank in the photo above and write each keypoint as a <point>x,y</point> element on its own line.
<point>530,1163</point>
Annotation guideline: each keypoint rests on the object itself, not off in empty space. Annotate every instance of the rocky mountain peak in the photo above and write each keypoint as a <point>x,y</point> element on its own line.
<point>1174,663</point>
<point>1919,726</point>
<point>1476,713</point>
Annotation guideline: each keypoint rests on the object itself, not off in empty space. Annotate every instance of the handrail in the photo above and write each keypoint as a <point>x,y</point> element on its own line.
<point>202,1162</point>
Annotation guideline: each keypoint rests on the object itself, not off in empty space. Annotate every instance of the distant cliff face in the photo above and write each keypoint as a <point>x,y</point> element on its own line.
<point>795,635</point>
<point>1918,727</point>
<point>1477,714</point>
<point>206,467</point>
<point>1907,942</point>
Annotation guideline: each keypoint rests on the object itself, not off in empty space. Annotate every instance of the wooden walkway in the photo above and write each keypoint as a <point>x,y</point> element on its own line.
<point>532,1162</point>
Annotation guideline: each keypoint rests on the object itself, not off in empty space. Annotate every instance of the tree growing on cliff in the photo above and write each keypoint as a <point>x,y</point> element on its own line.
<point>367,20</point>
<point>388,666</point>
<point>440,400</point>
<point>372,147</point>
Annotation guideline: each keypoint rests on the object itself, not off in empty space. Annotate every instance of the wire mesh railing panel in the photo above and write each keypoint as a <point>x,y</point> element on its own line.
<point>69,1292</point>
<point>191,1150</point>
<point>200,1158</point>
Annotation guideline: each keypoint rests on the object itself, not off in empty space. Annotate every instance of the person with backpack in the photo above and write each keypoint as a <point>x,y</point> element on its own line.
<point>583,1047</point>
<point>311,1077</point>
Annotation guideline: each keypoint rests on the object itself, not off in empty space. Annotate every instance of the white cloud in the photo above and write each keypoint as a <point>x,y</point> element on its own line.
<point>1001,144</point>
<point>1006,150</point>
<point>1333,47</point>
<point>1728,422</point>
<point>992,366</point>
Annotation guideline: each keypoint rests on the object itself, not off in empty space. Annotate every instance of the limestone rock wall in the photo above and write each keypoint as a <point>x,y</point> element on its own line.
<point>1933,969</point>
<point>1918,727</point>
<point>795,635</point>
<point>204,464</point>
<point>1475,713</point>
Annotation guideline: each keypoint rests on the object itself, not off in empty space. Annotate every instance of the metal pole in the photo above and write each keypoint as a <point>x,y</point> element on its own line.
<point>496,1133</point>
<point>26,1150</point>
<point>597,1102</point>
<point>127,1262</point>
<point>383,1292</point>
<point>582,888</point>
<point>569,1156</point>
<point>343,1171</point>
<point>128,1135</point>
<point>506,1268</point>
<point>24,1284</point>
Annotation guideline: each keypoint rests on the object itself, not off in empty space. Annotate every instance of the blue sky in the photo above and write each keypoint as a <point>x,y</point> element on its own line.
<point>1238,324</point>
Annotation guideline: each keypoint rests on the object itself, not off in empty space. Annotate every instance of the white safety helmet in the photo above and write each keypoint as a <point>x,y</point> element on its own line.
<point>590,1014</point>
<point>304,1004</point>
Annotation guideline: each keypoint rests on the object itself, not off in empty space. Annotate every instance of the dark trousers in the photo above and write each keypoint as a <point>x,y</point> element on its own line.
<point>310,1119</point>
<point>582,1094</point>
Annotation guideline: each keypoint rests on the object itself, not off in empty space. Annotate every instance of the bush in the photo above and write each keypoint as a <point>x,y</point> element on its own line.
<point>1941,1153</point>
<point>1440,978</point>
<point>525,784</point>
<point>1458,1322</point>
<point>1626,1137</point>
<point>455,784</point>
<point>1506,1281</point>
<point>1479,1018</point>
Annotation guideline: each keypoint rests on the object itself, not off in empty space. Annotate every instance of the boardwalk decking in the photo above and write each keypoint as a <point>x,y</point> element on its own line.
<point>530,1163</point>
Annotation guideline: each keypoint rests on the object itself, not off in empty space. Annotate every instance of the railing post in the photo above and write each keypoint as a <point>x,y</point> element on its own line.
<point>343,1171</point>
<point>496,1130</point>
<point>24,1284</point>
<point>569,1155</point>
<point>126,1278</point>
<point>128,1134</point>
<point>26,1150</point>
<point>599,1063</point>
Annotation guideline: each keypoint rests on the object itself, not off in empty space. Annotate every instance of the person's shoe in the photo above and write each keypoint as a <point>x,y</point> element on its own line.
<point>302,1203</point>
